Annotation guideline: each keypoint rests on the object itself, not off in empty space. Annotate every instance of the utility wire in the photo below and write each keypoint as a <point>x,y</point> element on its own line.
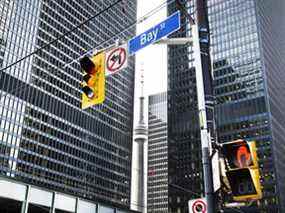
<point>183,189</point>
<point>140,20</point>
<point>47,45</point>
<point>62,36</point>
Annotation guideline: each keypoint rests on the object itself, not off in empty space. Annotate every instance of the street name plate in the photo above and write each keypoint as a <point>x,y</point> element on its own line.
<point>164,28</point>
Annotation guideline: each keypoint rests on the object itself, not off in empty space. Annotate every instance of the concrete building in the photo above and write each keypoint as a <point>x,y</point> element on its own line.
<point>157,183</point>
<point>46,140</point>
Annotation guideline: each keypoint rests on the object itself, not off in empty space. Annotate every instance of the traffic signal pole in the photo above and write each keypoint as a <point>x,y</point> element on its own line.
<point>202,61</point>
<point>204,132</point>
<point>201,49</point>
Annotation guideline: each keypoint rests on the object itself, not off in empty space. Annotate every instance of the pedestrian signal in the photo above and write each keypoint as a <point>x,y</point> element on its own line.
<point>243,171</point>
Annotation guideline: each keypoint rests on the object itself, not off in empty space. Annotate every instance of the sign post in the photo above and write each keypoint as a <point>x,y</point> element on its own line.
<point>164,28</point>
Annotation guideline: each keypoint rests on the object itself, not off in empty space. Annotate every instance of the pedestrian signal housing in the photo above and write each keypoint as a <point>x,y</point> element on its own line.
<point>243,171</point>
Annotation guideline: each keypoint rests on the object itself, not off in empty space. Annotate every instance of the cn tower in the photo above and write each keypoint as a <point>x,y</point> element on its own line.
<point>140,137</point>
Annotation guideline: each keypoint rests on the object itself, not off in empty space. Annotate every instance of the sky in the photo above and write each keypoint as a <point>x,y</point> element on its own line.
<point>153,57</point>
<point>153,60</point>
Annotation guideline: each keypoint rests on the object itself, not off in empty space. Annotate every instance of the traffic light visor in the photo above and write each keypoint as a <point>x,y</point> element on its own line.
<point>87,65</point>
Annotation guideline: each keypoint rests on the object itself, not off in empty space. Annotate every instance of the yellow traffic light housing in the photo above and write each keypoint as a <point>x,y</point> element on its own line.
<point>243,172</point>
<point>93,84</point>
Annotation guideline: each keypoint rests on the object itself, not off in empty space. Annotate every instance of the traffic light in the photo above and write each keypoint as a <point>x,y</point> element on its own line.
<point>93,84</point>
<point>242,173</point>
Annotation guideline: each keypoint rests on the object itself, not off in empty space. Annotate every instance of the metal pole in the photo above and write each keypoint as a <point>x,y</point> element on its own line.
<point>25,203</point>
<point>204,94</point>
<point>203,74</point>
<point>141,176</point>
<point>205,140</point>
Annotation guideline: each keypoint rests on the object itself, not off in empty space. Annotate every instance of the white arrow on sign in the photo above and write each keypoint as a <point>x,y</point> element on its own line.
<point>116,59</point>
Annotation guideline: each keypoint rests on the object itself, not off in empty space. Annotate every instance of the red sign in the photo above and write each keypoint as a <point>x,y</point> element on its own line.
<point>116,59</point>
<point>198,206</point>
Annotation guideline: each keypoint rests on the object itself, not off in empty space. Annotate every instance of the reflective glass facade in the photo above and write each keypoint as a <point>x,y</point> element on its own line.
<point>185,172</point>
<point>45,138</point>
<point>157,184</point>
<point>248,64</point>
<point>247,61</point>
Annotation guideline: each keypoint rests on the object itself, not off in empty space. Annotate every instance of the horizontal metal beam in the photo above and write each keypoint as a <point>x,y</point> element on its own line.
<point>175,41</point>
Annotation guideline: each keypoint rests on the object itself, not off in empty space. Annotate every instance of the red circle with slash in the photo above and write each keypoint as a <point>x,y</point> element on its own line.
<point>116,59</point>
<point>199,206</point>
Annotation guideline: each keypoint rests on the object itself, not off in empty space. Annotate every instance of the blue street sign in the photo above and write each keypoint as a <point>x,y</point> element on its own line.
<point>164,28</point>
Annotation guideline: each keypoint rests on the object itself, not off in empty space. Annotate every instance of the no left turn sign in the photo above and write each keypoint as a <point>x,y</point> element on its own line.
<point>116,59</point>
<point>197,206</point>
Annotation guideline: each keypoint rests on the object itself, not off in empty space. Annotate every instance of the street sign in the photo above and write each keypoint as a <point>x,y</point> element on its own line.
<point>216,172</point>
<point>197,205</point>
<point>164,28</point>
<point>116,59</point>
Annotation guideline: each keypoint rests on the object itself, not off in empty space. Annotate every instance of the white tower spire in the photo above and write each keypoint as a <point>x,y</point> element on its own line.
<point>140,137</point>
<point>141,120</point>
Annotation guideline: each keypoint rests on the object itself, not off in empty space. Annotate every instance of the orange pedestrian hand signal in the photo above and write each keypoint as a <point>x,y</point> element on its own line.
<point>243,157</point>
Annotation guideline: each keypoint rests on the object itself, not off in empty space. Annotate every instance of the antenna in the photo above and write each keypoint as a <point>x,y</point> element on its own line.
<point>141,121</point>
<point>142,79</point>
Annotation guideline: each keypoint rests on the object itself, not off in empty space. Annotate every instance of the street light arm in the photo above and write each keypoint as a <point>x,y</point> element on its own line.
<point>175,41</point>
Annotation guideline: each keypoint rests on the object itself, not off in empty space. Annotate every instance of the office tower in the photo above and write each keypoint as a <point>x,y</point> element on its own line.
<point>185,172</point>
<point>45,138</point>
<point>248,58</point>
<point>5,13</point>
<point>157,183</point>
<point>248,55</point>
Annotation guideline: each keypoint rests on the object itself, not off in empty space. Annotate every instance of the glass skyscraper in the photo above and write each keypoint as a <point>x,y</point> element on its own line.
<point>248,56</point>
<point>248,63</point>
<point>45,138</point>
<point>157,183</point>
<point>185,173</point>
